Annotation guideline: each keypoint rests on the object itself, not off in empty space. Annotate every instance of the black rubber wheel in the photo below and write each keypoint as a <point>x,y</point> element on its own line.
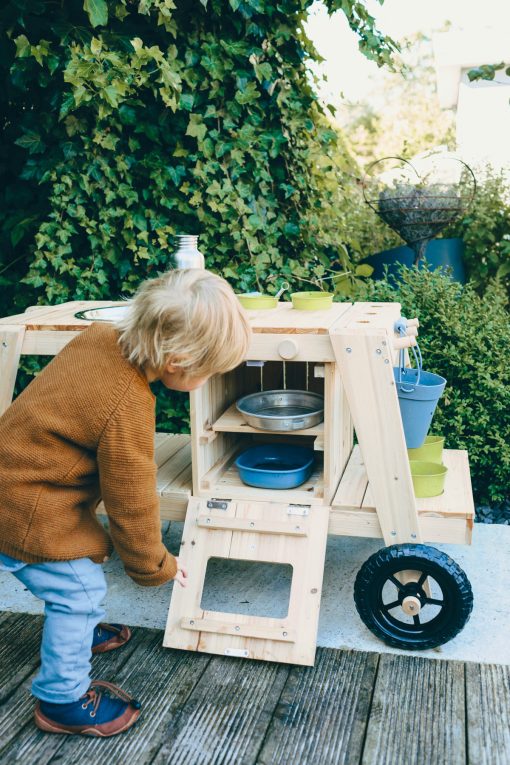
<point>379,596</point>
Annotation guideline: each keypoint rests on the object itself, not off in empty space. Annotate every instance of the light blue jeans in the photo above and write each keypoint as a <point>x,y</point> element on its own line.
<point>73,592</point>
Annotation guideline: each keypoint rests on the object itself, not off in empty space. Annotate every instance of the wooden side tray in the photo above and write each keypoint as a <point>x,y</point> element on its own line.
<point>447,518</point>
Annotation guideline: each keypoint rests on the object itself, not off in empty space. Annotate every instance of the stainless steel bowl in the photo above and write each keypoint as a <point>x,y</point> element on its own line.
<point>282,409</point>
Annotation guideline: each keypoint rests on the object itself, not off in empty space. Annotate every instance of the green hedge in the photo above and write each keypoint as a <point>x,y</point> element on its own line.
<point>465,337</point>
<point>125,123</point>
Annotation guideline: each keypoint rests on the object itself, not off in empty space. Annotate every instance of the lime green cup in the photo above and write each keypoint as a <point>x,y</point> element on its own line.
<point>430,451</point>
<point>428,478</point>
<point>253,301</point>
<point>312,301</point>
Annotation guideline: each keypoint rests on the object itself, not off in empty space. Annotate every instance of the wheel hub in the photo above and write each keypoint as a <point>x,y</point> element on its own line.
<point>411,605</point>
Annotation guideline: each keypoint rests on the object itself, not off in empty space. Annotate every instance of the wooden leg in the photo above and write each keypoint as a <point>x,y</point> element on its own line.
<point>11,341</point>
<point>365,361</point>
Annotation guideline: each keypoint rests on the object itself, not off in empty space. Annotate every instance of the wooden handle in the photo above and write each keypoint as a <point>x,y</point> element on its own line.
<point>413,323</point>
<point>403,342</point>
<point>411,331</point>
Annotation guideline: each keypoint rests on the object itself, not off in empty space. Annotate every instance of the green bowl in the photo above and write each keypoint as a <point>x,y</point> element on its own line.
<point>254,302</point>
<point>428,478</point>
<point>311,301</point>
<point>430,451</point>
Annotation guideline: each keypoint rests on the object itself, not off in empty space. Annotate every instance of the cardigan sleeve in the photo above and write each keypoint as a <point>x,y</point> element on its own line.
<point>127,474</point>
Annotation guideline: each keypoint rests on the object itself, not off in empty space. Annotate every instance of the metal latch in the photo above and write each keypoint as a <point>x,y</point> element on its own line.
<point>240,652</point>
<point>218,504</point>
<point>298,510</point>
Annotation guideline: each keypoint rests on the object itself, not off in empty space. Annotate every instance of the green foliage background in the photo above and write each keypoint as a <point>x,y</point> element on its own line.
<point>125,123</point>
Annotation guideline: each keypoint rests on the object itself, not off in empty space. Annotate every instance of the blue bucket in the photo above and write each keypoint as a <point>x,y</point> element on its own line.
<point>418,393</point>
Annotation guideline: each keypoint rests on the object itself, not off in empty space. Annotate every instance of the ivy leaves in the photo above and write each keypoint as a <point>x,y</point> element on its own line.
<point>97,11</point>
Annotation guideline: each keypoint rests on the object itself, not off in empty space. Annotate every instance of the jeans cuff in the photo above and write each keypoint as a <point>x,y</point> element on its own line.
<point>60,697</point>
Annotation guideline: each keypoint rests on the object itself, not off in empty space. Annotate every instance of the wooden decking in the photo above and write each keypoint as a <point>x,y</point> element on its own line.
<point>351,708</point>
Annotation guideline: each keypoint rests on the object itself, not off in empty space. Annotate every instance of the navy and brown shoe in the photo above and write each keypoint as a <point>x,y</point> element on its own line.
<point>107,637</point>
<point>105,710</point>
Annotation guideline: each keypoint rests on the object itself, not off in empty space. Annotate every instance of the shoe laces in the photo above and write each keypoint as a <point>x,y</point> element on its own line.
<point>94,697</point>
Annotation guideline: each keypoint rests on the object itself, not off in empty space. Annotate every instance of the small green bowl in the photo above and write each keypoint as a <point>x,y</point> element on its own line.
<point>428,478</point>
<point>311,301</point>
<point>430,451</point>
<point>255,302</point>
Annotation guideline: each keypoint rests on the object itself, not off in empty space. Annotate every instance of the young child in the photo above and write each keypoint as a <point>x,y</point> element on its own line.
<point>84,430</point>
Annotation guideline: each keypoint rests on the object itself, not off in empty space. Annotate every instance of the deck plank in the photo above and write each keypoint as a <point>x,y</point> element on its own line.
<point>227,715</point>
<point>322,713</point>
<point>20,637</point>
<point>488,714</point>
<point>17,730</point>
<point>418,713</point>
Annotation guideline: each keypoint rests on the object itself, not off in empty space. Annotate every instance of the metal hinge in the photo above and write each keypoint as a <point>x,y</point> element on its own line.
<point>298,509</point>
<point>218,504</point>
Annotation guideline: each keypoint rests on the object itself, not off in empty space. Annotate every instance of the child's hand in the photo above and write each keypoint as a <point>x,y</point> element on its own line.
<point>181,574</point>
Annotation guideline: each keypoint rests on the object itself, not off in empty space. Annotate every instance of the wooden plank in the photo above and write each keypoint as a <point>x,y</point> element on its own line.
<point>60,317</point>
<point>251,630</point>
<point>46,342</point>
<point>365,523</point>
<point>322,712</point>
<point>231,421</point>
<point>310,347</point>
<point>285,318</point>
<point>365,363</point>
<point>240,524</point>
<point>488,714</point>
<point>226,717</point>
<point>168,444</point>
<point>161,680</point>
<point>353,485</point>
<point>11,341</point>
<point>17,729</point>
<point>20,636</point>
<point>417,714</point>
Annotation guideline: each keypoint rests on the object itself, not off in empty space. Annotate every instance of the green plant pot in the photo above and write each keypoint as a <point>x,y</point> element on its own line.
<point>254,302</point>
<point>311,301</point>
<point>430,451</point>
<point>428,478</point>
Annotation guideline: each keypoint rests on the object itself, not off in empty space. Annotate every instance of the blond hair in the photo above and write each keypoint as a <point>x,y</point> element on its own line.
<point>190,317</point>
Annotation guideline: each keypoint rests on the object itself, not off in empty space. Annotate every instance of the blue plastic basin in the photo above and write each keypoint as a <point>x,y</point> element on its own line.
<point>277,466</point>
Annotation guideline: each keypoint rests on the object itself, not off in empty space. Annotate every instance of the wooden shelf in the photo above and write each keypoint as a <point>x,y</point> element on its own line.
<point>231,421</point>
<point>223,480</point>
<point>446,518</point>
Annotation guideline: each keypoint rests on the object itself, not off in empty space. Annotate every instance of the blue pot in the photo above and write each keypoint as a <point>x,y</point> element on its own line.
<point>440,254</point>
<point>277,466</point>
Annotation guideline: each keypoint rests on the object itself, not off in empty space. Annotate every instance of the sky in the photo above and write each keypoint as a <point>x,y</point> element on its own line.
<point>348,71</point>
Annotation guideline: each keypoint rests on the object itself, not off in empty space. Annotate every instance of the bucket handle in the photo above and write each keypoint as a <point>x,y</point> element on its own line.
<point>400,327</point>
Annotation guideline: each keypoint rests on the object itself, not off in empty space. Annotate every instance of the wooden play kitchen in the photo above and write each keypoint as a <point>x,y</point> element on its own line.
<point>409,594</point>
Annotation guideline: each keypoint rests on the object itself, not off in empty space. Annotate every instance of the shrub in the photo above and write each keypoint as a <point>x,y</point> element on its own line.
<point>486,231</point>
<point>465,337</point>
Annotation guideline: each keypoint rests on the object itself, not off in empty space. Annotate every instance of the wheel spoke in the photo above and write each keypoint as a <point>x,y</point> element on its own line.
<point>416,620</point>
<point>434,602</point>
<point>389,606</point>
<point>395,581</point>
<point>422,579</point>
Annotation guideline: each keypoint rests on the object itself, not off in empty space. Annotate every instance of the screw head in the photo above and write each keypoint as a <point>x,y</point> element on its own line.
<point>378,351</point>
<point>413,536</point>
<point>393,533</point>
<point>349,350</point>
<point>386,361</point>
<point>237,628</point>
<point>284,634</point>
